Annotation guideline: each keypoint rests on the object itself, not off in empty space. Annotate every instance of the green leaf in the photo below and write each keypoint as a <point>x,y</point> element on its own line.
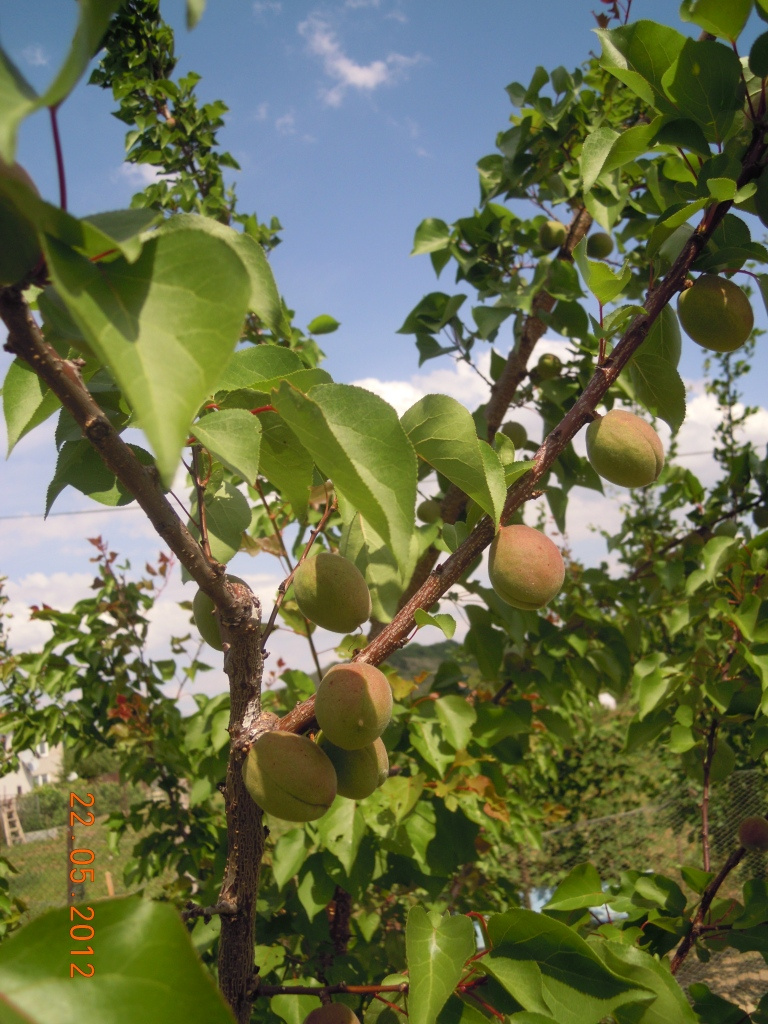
<point>155,980</point>
<point>725,20</point>
<point>285,462</point>
<point>710,1008</point>
<point>79,465</point>
<point>457,718</point>
<point>341,830</point>
<point>594,153</point>
<point>195,10</point>
<point>706,86</point>
<point>437,946</point>
<point>356,439</point>
<point>644,971</point>
<point>363,546</point>
<point>638,55</point>
<point>165,325</point>
<point>663,339</point>
<point>659,387</point>
<point>576,986</point>
<point>262,367</point>
<point>17,98</point>
<point>264,299</point>
<point>444,622</point>
<point>604,283</point>
<point>431,235</point>
<point>443,433</point>
<point>227,516</point>
<point>323,324</point>
<point>580,888</point>
<point>234,437</point>
<point>490,318</point>
<point>27,402</point>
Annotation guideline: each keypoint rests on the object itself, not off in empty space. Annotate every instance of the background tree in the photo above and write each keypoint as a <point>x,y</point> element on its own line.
<point>167,316</point>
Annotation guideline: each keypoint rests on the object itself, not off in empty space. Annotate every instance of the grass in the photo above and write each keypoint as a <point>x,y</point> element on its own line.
<point>43,878</point>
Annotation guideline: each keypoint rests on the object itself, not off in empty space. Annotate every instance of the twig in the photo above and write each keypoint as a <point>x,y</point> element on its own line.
<point>707,897</point>
<point>193,910</point>
<point>54,111</point>
<point>708,756</point>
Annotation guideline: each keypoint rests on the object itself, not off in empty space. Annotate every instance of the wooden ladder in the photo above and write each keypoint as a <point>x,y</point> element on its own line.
<point>9,818</point>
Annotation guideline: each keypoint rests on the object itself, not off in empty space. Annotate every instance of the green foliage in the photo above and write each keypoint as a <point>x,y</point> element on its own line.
<point>176,325</point>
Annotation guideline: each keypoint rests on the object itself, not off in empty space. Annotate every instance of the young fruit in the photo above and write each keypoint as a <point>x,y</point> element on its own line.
<point>549,366</point>
<point>516,432</point>
<point>206,620</point>
<point>358,772</point>
<point>599,245</point>
<point>753,833</point>
<point>332,1013</point>
<point>525,567</point>
<point>716,313</point>
<point>353,704</point>
<point>429,511</point>
<point>552,234</point>
<point>331,592</point>
<point>624,449</point>
<point>289,776</point>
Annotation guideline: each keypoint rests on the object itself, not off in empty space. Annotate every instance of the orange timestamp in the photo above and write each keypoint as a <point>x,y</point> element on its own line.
<point>79,873</point>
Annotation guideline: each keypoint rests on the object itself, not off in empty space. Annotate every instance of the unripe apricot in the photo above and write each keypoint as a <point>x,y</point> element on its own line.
<point>289,776</point>
<point>358,772</point>
<point>624,449</point>
<point>525,567</point>
<point>206,619</point>
<point>332,592</point>
<point>332,1013</point>
<point>753,833</point>
<point>549,366</point>
<point>599,245</point>
<point>353,704</point>
<point>516,432</point>
<point>429,511</point>
<point>552,234</point>
<point>716,313</point>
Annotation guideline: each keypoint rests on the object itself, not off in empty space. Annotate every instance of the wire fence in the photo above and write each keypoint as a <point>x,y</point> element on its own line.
<point>660,837</point>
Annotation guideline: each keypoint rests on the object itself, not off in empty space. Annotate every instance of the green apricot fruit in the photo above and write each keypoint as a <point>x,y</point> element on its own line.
<point>760,517</point>
<point>549,366</point>
<point>359,772</point>
<point>716,313</point>
<point>289,776</point>
<point>552,234</point>
<point>20,252</point>
<point>516,432</point>
<point>353,704</point>
<point>624,449</point>
<point>753,833</point>
<point>525,567</point>
<point>429,511</point>
<point>206,620</point>
<point>331,592</point>
<point>599,245</point>
<point>332,1013</point>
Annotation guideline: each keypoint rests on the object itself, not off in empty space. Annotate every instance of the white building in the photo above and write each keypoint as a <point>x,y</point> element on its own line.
<point>37,767</point>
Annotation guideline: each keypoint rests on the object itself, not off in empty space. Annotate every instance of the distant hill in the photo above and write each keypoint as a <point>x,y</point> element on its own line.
<point>415,658</point>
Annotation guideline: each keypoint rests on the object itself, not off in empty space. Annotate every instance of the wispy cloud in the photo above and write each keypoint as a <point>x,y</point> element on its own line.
<point>347,73</point>
<point>35,55</point>
<point>261,112</point>
<point>286,125</point>
<point>267,7</point>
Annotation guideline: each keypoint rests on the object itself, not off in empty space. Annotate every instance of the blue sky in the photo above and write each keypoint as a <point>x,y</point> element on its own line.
<point>352,121</point>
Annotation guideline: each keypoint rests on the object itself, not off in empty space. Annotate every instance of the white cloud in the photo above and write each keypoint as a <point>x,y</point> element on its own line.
<point>347,73</point>
<point>286,125</point>
<point>138,175</point>
<point>354,4</point>
<point>261,112</point>
<point>267,7</point>
<point>35,56</point>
